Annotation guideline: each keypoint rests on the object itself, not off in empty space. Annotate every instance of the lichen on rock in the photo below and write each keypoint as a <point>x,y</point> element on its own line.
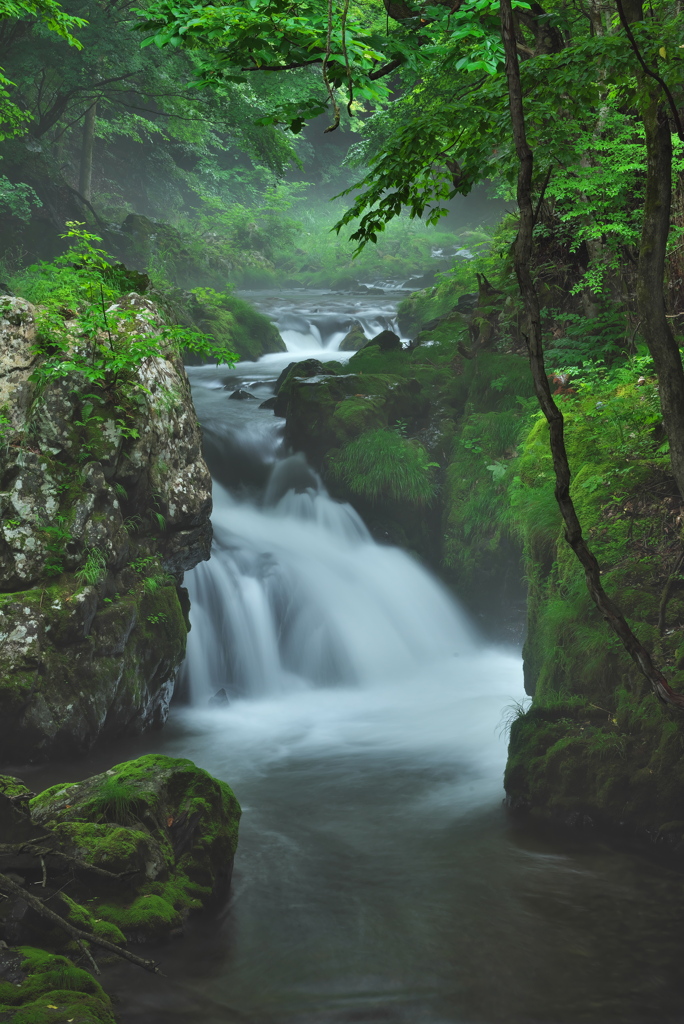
<point>101,515</point>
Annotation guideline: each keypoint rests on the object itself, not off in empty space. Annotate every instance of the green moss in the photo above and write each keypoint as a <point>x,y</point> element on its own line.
<point>126,820</point>
<point>59,792</point>
<point>235,323</point>
<point>356,415</point>
<point>53,990</point>
<point>149,913</point>
<point>84,918</point>
<point>11,787</point>
<point>371,360</point>
<point>384,464</point>
<point>117,848</point>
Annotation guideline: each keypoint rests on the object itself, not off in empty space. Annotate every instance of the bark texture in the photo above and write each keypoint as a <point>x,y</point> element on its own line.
<point>86,171</point>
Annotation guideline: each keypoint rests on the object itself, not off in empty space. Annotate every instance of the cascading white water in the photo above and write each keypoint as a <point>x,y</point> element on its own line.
<point>319,323</point>
<point>298,594</point>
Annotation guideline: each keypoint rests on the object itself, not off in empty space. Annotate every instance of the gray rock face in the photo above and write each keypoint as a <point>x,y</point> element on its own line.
<point>101,515</point>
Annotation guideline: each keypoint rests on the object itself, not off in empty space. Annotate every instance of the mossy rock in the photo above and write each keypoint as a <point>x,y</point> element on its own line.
<point>354,340</point>
<point>233,322</point>
<point>42,988</point>
<point>169,828</point>
<point>574,761</point>
<point>14,799</point>
<point>73,670</point>
<point>326,412</point>
<point>305,369</point>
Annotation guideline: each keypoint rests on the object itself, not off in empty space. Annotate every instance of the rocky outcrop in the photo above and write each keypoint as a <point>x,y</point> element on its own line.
<point>101,515</point>
<point>327,410</point>
<point>593,745</point>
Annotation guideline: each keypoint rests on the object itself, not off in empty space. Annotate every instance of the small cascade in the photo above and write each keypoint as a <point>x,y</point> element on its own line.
<point>323,331</point>
<point>313,322</point>
<point>298,595</point>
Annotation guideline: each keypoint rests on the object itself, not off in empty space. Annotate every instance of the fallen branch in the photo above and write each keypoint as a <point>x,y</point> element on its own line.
<point>28,848</point>
<point>80,936</point>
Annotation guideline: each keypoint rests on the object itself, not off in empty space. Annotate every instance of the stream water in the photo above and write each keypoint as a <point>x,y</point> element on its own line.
<point>378,877</point>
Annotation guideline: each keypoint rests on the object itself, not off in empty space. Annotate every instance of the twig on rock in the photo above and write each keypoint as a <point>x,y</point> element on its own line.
<point>10,887</point>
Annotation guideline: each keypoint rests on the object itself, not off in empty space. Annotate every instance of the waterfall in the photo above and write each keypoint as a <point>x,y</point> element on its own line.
<point>297,595</point>
<point>310,331</point>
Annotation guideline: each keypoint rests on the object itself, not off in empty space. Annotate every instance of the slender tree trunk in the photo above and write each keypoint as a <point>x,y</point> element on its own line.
<point>652,251</point>
<point>85,177</point>
<point>522,252</point>
<point>651,280</point>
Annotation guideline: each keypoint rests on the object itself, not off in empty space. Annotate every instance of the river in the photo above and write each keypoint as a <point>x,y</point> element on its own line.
<point>378,878</point>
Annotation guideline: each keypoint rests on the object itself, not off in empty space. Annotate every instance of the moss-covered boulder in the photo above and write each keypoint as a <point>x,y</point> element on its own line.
<point>143,845</point>
<point>125,855</point>
<point>235,323</point>
<point>354,340</point>
<point>101,515</point>
<point>303,370</point>
<point>37,987</point>
<point>326,411</point>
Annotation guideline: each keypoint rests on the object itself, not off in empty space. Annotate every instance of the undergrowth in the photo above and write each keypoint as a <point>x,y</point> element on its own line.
<point>384,464</point>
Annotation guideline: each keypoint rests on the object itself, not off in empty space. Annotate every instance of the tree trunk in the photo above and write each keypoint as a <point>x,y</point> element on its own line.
<point>85,177</point>
<point>651,280</point>
<point>522,252</point>
<point>652,251</point>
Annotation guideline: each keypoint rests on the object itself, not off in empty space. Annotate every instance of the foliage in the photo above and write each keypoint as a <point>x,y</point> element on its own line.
<point>93,569</point>
<point>584,341</point>
<point>105,346</point>
<point>384,464</point>
<point>17,200</point>
<point>151,575</point>
<point>483,463</point>
<point>619,461</point>
<point>50,14</point>
<point>116,802</point>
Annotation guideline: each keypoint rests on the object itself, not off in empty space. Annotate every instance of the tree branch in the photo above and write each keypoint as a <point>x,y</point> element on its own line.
<point>11,888</point>
<point>648,71</point>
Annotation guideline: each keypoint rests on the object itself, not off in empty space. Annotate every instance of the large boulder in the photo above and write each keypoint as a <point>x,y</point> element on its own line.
<point>354,340</point>
<point>125,855</point>
<point>304,369</point>
<point>101,515</point>
<point>167,827</point>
